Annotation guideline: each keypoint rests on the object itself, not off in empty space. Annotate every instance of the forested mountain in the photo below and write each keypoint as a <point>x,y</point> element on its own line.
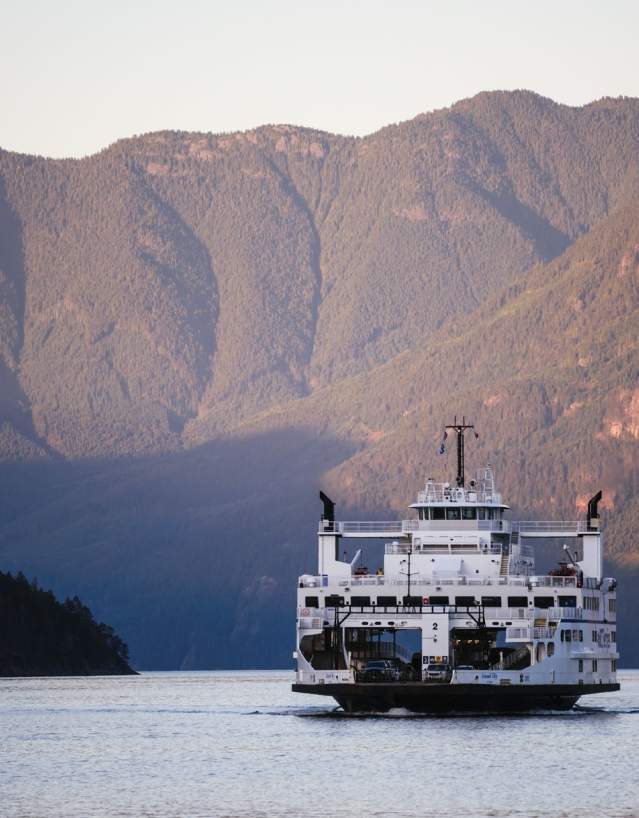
<point>197,331</point>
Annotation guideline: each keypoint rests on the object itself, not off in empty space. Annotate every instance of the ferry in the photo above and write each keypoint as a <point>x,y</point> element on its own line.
<point>456,618</point>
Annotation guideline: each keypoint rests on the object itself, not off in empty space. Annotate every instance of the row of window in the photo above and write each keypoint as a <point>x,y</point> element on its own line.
<point>465,601</point>
<point>577,635</point>
<point>459,513</point>
<point>595,665</point>
<point>591,603</point>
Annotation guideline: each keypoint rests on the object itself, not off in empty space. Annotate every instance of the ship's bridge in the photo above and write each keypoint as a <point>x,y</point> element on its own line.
<point>441,502</point>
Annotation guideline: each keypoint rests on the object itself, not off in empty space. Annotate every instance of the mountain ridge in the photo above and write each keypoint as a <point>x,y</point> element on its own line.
<point>197,331</point>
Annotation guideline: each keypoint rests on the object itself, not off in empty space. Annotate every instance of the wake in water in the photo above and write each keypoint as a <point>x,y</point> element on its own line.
<point>403,713</point>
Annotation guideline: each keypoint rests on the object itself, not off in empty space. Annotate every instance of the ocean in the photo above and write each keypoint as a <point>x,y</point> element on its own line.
<point>242,744</point>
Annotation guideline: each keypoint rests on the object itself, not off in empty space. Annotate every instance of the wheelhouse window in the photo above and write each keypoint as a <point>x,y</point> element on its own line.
<point>360,601</point>
<point>481,513</point>
<point>469,513</point>
<point>544,602</point>
<point>387,601</point>
<point>438,513</point>
<point>453,513</point>
<point>567,601</point>
<point>491,601</point>
<point>517,601</point>
<point>311,602</point>
<point>438,600</point>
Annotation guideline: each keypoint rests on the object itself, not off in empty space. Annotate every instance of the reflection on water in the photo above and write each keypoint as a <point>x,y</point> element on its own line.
<point>241,744</point>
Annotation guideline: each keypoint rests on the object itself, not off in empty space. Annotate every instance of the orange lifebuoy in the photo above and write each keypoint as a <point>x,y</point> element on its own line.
<point>305,612</point>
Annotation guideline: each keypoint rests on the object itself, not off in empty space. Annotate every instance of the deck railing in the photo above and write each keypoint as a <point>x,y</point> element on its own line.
<point>442,580</point>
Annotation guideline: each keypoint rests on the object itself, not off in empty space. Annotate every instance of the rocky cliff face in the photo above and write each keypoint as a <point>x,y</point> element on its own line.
<point>196,331</point>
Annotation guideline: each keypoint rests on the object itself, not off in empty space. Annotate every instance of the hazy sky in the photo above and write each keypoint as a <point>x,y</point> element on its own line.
<point>77,75</point>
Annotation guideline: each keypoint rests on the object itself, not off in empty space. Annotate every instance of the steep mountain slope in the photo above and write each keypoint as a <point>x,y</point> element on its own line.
<point>197,331</point>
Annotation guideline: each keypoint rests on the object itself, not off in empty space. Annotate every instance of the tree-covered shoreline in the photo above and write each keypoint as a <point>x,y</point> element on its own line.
<point>40,636</point>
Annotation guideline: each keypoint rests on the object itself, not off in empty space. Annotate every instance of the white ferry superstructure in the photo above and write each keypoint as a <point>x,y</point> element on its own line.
<point>488,632</point>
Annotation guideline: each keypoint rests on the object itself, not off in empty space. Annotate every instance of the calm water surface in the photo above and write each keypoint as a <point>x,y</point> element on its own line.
<point>241,744</point>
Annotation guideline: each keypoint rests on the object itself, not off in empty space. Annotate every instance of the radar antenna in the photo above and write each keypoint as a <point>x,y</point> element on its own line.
<point>459,429</point>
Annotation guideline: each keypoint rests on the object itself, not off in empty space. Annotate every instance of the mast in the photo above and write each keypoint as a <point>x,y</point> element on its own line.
<point>459,429</point>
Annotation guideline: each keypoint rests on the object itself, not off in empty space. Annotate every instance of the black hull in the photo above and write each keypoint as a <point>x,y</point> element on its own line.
<point>445,698</point>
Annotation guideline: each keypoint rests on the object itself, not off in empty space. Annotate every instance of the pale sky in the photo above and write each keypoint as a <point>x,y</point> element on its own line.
<point>76,75</point>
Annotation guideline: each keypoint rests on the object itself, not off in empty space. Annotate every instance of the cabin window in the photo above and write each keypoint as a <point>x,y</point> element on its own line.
<point>612,605</point>
<point>491,601</point>
<point>517,601</point>
<point>575,635</point>
<point>334,601</point>
<point>452,514</point>
<point>581,635</point>
<point>544,602</point>
<point>568,636</point>
<point>481,513</point>
<point>438,513</point>
<point>594,665</point>
<point>469,513</point>
<point>567,601</point>
<point>613,665</point>
<point>613,636</point>
<point>311,602</point>
<point>551,648</point>
<point>581,666</point>
<point>490,513</point>
<point>360,601</point>
<point>438,600</point>
<point>387,601</point>
<point>465,601</point>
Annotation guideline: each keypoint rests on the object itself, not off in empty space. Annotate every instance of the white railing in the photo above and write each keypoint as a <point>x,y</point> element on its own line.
<point>462,524</point>
<point>543,633</point>
<point>564,613</point>
<point>540,527</point>
<point>518,634</point>
<point>441,580</point>
<point>444,493</point>
<point>398,527</point>
<point>528,634</point>
<point>508,613</point>
<point>441,548</point>
<point>553,582</point>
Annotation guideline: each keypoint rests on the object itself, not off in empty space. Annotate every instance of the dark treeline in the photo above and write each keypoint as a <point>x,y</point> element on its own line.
<point>40,636</point>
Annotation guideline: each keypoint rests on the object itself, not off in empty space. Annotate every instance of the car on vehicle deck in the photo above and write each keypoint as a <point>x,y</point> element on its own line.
<point>438,672</point>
